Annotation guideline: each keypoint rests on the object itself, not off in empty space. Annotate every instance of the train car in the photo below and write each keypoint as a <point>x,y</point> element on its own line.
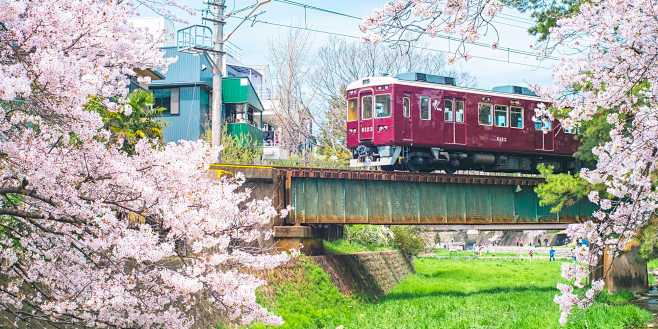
<point>422,122</point>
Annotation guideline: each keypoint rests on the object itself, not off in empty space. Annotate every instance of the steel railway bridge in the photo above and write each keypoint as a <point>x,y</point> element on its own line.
<point>332,196</point>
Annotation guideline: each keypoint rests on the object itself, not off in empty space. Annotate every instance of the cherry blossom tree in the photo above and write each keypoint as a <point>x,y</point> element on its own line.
<point>90,235</point>
<point>612,72</point>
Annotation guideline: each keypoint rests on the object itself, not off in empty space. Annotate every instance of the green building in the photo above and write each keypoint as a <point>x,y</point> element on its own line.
<point>186,94</point>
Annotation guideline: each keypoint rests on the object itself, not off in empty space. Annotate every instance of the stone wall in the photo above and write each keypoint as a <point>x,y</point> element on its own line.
<point>627,271</point>
<point>369,273</point>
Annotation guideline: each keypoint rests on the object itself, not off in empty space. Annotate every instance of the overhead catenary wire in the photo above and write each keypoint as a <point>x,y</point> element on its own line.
<point>509,50</point>
<point>415,47</point>
<point>333,12</point>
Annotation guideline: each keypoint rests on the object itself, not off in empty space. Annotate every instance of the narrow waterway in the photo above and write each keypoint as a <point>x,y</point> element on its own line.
<point>649,301</point>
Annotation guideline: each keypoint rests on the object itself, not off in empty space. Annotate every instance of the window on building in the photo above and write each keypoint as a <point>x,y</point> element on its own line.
<point>501,115</point>
<point>406,107</point>
<point>484,114</point>
<point>516,117</point>
<point>447,110</point>
<point>383,106</point>
<point>425,111</point>
<point>167,98</point>
<point>366,107</point>
<point>352,112</point>
<point>459,111</point>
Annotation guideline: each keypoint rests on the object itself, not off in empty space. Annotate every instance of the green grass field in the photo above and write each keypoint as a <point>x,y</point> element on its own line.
<point>340,247</point>
<point>447,294</point>
<point>471,253</point>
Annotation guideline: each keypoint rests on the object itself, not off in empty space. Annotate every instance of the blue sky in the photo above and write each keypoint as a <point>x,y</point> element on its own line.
<point>253,41</point>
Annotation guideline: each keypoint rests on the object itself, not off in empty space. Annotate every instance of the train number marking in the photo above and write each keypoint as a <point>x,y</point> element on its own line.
<point>501,139</point>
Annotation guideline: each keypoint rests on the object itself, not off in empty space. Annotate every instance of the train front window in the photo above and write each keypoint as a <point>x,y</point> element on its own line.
<point>406,107</point>
<point>459,111</point>
<point>447,110</point>
<point>383,106</point>
<point>352,113</point>
<point>501,116</point>
<point>516,117</point>
<point>366,107</point>
<point>484,114</point>
<point>425,111</point>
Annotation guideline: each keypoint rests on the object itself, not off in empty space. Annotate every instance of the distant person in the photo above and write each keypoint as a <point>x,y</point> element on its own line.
<point>573,254</point>
<point>551,255</point>
<point>531,253</point>
<point>546,242</point>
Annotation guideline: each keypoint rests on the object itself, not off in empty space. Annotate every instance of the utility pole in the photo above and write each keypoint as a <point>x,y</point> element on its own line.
<point>217,17</point>
<point>217,10</point>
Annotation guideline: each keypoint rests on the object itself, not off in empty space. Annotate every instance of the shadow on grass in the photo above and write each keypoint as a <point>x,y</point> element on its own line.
<point>502,290</point>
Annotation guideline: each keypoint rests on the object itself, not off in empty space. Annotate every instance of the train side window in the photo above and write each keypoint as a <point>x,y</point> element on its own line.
<point>352,113</point>
<point>459,111</point>
<point>447,110</point>
<point>383,106</point>
<point>366,107</point>
<point>406,107</point>
<point>425,111</point>
<point>516,117</point>
<point>484,114</point>
<point>543,124</point>
<point>500,116</point>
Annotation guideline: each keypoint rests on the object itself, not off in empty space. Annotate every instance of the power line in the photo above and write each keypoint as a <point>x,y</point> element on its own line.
<point>324,10</point>
<point>329,11</point>
<point>415,47</point>
<point>446,37</point>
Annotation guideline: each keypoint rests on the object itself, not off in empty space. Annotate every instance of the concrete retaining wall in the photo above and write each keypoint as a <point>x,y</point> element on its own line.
<point>626,272</point>
<point>371,273</point>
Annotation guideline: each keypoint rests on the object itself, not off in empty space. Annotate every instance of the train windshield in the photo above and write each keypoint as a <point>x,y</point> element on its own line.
<point>366,107</point>
<point>352,113</point>
<point>383,106</point>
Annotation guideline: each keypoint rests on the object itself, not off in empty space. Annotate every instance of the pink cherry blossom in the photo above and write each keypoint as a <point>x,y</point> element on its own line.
<point>91,235</point>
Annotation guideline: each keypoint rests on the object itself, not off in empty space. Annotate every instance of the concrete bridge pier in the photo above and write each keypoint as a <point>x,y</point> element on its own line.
<point>297,237</point>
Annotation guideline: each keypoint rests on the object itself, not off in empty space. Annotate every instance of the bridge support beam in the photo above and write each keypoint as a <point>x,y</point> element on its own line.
<point>297,237</point>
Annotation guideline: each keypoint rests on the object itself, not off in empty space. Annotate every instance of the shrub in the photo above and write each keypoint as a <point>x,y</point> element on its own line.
<point>243,149</point>
<point>407,240</point>
<point>369,235</point>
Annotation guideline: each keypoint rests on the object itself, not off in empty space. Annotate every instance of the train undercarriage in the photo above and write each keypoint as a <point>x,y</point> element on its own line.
<point>424,159</point>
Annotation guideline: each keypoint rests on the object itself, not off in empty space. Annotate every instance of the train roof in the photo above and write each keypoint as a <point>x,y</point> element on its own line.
<point>505,91</point>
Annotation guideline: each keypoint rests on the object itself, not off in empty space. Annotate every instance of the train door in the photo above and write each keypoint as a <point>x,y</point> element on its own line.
<point>460,122</point>
<point>544,136</point>
<point>454,128</point>
<point>366,118</point>
<point>406,124</point>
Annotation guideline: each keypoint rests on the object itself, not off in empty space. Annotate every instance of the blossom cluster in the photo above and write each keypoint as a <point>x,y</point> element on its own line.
<point>410,20</point>
<point>90,235</point>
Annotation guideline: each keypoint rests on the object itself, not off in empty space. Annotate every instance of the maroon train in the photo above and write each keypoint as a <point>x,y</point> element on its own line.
<point>423,122</point>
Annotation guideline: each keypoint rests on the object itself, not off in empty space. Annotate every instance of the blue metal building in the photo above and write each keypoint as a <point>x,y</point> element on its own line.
<point>185,93</point>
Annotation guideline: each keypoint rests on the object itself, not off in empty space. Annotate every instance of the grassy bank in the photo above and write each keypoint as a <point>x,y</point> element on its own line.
<point>341,247</point>
<point>444,293</point>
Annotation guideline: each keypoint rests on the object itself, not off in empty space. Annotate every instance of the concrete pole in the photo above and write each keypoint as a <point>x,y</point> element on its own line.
<point>218,59</point>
